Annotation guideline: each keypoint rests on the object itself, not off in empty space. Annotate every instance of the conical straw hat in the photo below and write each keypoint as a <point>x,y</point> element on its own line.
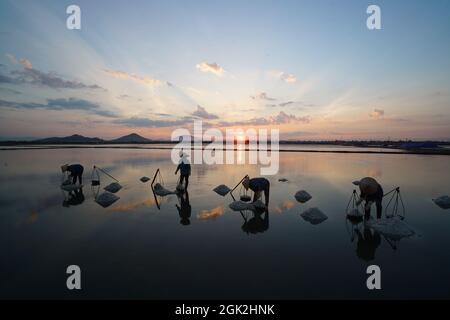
<point>368,185</point>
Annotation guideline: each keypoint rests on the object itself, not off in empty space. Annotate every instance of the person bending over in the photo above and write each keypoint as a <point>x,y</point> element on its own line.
<point>371,191</point>
<point>75,172</point>
<point>258,185</point>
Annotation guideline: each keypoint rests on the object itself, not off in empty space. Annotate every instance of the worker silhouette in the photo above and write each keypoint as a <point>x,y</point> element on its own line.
<point>371,191</point>
<point>184,167</point>
<point>184,209</point>
<point>75,172</point>
<point>258,185</point>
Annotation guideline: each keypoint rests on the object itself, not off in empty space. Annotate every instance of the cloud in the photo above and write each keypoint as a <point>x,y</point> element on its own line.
<point>150,123</point>
<point>36,77</point>
<point>288,103</point>
<point>377,114</point>
<point>280,118</point>
<point>210,67</point>
<point>10,90</point>
<point>283,76</point>
<point>26,63</point>
<point>202,113</point>
<point>6,79</point>
<point>60,104</point>
<point>134,77</point>
<point>284,104</point>
<point>262,96</point>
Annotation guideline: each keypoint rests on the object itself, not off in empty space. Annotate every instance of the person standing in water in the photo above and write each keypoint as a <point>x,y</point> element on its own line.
<point>75,172</point>
<point>371,191</point>
<point>185,169</point>
<point>258,185</point>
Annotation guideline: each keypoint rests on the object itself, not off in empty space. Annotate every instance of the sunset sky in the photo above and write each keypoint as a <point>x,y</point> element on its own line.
<point>310,68</point>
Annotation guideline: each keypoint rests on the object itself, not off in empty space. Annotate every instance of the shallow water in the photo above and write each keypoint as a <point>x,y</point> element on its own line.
<point>133,249</point>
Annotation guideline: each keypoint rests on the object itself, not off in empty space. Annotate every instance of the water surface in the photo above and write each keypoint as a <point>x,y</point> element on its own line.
<point>133,249</point>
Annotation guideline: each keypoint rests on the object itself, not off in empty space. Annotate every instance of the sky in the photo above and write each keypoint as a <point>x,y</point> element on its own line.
<point>311,69</point>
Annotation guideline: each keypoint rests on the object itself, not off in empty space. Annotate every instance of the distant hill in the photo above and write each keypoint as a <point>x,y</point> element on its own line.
<point>76,138</point>
<point>131,138</point>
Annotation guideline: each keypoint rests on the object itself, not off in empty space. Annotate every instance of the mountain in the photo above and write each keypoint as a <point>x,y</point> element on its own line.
<point>76,138</point>
<point>131,138</point>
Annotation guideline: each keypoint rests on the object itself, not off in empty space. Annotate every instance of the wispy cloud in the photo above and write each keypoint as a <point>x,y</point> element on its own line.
<point>211,67</point>
<point>134,77</point>
<point>377,114</point>
<point>284,76</point>
<point>34,76</point>
<point>60,104</point>
<point>280,118</point>
<point>262,96</point>
<point>202,113</point>
<point>137,122</point>
<point>284,104</point>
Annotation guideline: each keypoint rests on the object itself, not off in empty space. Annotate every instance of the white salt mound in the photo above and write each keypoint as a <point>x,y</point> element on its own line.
<point>106,199</point>
<point>222,190</point>
<point>71,187</point>
<point>302,196</point>
<point>393,228</point>
<point>161,191</point>
<point>113,187</point>
<point>443,202</point>
<point>241,205</point>
<point>314,216</point>
<point>145,179</point>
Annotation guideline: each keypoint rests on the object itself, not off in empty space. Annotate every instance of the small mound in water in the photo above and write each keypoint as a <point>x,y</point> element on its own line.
<point>443,202</point>
<point>283,180</point>
<point>113,187</point>
<point>393,228</point>
<point>161,191</point>
<point>222,190</point>
<point>144,179</point>
<point>106,199</point>
<point>241,205</point>
<point>314,216</point>
<point>71,187</point>
<point>302,196</point>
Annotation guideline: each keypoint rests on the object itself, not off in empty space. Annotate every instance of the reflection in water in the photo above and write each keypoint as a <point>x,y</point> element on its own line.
<point>73,198</point>
<point>132,206</point>
<point>184,208</point>
<point>258,223</point>
<point>211,214</point>
<point>367,244</point>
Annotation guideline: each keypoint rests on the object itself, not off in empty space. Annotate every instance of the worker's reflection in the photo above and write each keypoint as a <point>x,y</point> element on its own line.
<point>367,244</point>
<point>74,198</point>
<point>258,223</point>
<point>184,208</point>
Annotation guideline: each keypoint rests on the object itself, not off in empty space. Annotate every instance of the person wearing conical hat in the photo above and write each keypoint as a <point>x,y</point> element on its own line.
<point>258,185</point>
<point>371,191</point>
<point>184,167</point>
